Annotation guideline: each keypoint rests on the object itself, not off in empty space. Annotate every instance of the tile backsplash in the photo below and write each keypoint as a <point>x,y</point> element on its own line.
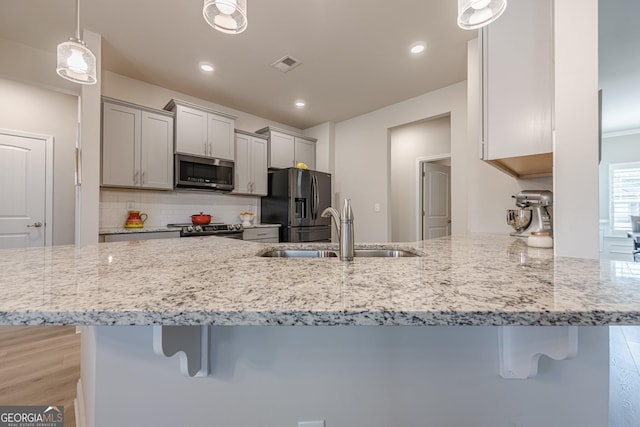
<point>170,207</point>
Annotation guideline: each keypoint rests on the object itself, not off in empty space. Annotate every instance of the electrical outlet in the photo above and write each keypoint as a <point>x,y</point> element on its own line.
<point>311,423</point>
<point>376,207</point>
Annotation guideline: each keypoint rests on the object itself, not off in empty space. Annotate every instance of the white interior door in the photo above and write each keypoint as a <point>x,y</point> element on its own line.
<point>436,200</point>
<point>22,191</point>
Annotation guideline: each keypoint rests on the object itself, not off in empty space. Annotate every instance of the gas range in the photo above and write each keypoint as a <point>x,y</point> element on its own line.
<point>233,231</point>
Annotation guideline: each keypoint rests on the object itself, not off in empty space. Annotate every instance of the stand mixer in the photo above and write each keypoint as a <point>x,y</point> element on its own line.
<point>534,215</point>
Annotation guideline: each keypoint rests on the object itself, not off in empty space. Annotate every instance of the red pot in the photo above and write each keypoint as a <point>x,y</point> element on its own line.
<point>200,219</point>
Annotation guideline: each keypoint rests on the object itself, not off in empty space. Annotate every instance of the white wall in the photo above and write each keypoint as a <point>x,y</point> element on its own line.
<point>362,153</point>
<point>34,109</point>
<point>325,146</point>
<point>576,128</point>
<point>33,66</point>
<point>348,376</point>
<point>408,143</point>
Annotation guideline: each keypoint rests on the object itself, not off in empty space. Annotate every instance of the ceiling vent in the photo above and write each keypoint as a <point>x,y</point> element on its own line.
<point>286,63</point>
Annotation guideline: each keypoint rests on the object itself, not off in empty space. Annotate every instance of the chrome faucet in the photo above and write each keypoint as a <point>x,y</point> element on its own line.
<point>344,224</point>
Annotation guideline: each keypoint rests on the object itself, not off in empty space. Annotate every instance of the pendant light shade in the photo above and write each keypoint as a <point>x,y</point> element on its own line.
<point>75,61</point>
<point>474,14</point>
<point>227,16</point>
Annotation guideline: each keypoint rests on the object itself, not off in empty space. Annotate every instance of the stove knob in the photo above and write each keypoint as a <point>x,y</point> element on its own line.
<point>234,227</point>
<point>190,228</point>
<point>230,227</point>
<point>197,228</point>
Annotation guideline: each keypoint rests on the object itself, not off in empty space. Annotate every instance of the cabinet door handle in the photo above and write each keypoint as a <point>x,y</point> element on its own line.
<point>135,177</point>
<point>35,225</point>
<point>142,183</point>
<point>78,167</point>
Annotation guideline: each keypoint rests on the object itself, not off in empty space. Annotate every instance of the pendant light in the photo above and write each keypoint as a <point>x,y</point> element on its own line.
<point>474,14</point>
<point>75,61</point>
<point>227,16</point>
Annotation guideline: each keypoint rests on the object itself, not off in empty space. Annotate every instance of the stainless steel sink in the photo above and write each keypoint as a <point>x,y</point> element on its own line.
<point>315,253</point>
<point>384,253</point>
<point>299,253</point>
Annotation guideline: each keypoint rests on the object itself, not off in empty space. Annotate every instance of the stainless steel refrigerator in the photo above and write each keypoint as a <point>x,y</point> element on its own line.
<point>296,199</point>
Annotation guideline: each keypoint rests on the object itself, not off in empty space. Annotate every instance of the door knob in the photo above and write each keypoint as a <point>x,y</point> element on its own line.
<point>37,224</point>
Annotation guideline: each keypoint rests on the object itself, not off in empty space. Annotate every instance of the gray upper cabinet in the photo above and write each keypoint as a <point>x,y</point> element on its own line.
<point>305,152</point>
<point>137,146</point>
<point>191,131</point>
<point>281,150</point>
<point>251,164</point>
<point>202,132</point>
<point>517,89</point>
<point>286,149</point>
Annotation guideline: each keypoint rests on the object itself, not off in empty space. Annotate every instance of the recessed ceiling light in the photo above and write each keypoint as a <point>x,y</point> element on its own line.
<point>300,104</point>
<point>206,67</point>
<point>417,48</point>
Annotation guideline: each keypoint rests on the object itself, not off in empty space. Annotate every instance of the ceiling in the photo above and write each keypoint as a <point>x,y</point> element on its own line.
<point>355,54</point>
<point>619,64</point>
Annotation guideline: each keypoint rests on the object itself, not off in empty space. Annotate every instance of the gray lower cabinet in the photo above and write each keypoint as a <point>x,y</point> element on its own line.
<point>125,237</point>
<point>251,164</point>
<point>261,234</point>
<point>137,146</point>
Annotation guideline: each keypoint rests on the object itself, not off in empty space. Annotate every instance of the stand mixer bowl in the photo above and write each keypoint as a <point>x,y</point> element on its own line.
<point>519,219</point>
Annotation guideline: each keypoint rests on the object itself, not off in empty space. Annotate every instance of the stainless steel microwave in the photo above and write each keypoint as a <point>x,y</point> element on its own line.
<point>203,172</point>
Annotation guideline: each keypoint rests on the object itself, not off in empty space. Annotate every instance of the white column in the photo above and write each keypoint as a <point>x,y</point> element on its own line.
<point>576,137</point>
<point>89,191</point>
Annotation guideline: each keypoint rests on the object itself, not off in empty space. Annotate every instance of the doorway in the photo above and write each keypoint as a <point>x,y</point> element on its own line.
<point>412,144</point>
<point>435,198</point>
<point>26,189</point>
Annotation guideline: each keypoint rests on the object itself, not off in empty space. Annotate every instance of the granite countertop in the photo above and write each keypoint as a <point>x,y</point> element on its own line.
<point>474,280</point>
<point>145,229</point>
<point>161,229</point>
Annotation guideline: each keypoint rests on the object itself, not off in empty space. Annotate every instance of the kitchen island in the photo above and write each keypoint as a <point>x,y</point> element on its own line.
<point>477,280</point>
<point>368,371</point>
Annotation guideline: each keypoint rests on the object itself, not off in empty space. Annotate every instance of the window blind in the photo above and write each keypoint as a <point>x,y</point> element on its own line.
<point>624,193</point>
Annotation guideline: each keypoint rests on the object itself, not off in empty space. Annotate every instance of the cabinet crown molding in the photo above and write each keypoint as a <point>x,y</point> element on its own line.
<point>253,134</point>
<point>171,105</point>
<point>137,106</point>
<point>269,129</point>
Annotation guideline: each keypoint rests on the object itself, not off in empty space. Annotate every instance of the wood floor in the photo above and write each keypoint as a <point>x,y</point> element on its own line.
<point>40,365</point>
<point>624,385</point>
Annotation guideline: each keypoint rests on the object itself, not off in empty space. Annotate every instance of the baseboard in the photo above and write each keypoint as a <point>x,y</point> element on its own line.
<point>78,405</point>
